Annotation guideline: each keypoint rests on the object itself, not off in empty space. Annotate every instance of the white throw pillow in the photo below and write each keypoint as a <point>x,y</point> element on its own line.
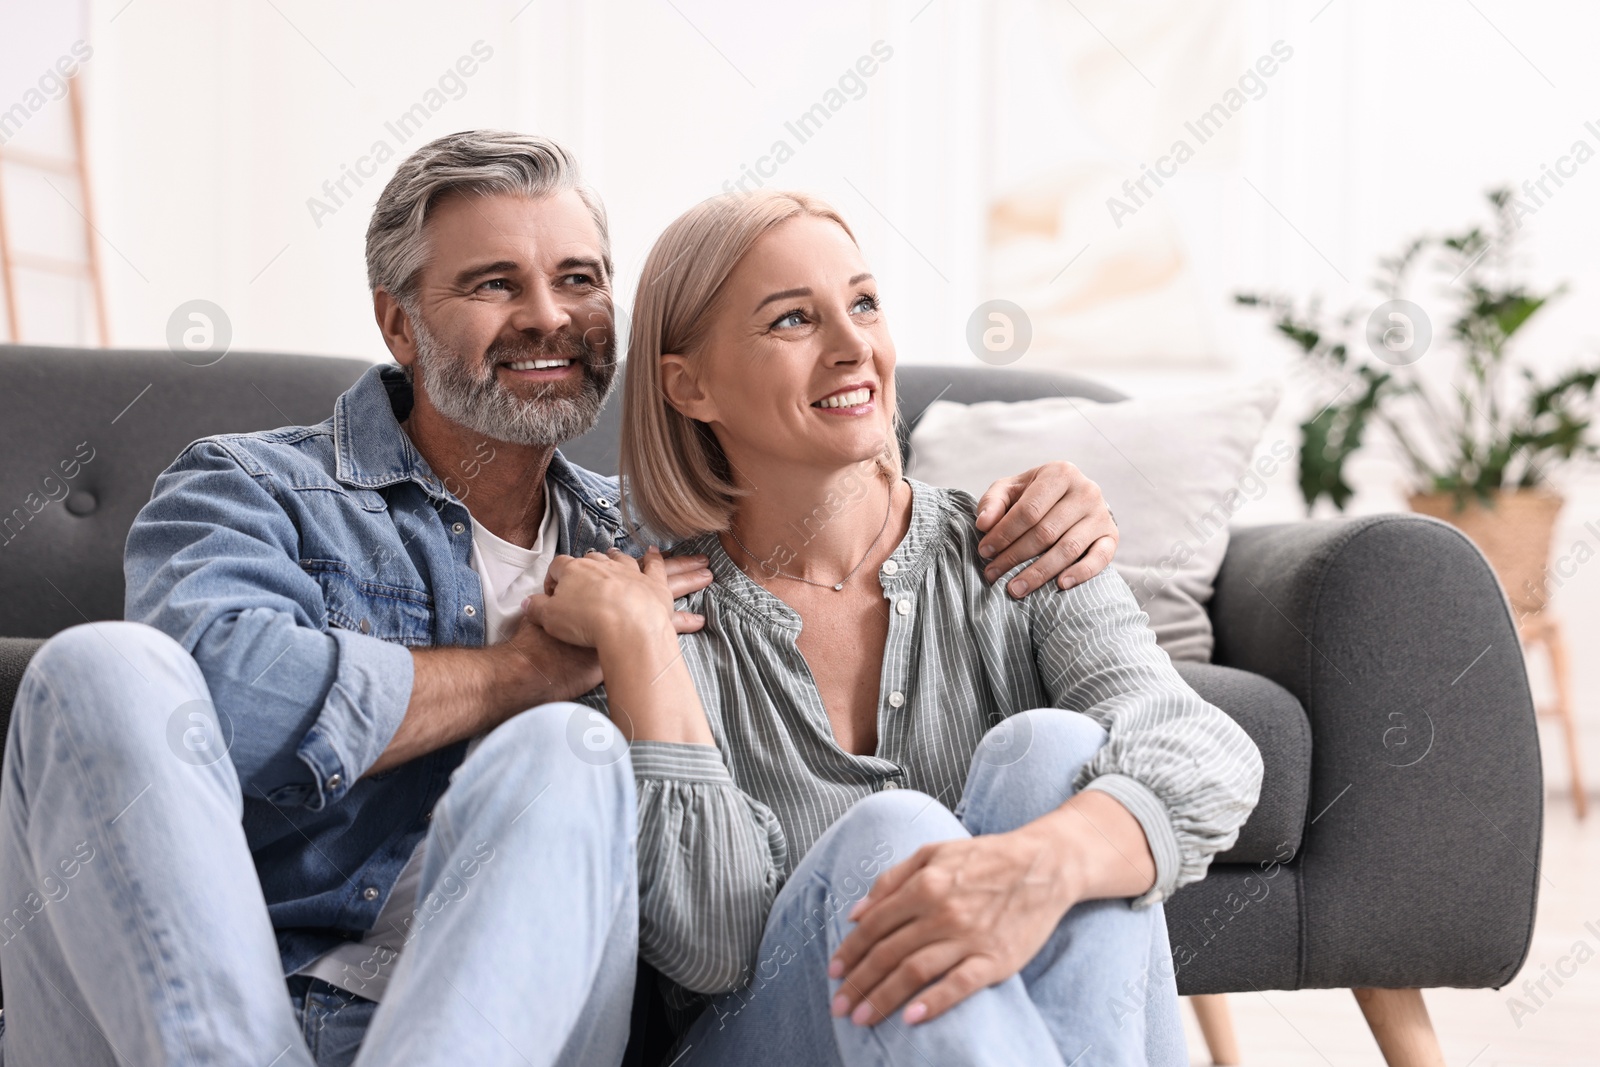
<point>1174,470</point>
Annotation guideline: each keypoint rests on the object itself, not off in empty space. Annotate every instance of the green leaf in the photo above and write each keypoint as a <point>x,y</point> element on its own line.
<point>1331,437</point>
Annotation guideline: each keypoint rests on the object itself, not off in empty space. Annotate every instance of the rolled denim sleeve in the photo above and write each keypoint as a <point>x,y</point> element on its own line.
<point>213,561</point>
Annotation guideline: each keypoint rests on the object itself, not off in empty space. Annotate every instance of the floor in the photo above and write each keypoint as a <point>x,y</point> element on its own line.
<point>1476,1027</point>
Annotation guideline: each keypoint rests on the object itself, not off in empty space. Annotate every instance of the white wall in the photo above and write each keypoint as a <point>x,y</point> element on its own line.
<point>212,124</point>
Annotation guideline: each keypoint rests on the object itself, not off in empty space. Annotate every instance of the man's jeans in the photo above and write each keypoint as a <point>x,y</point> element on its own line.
<point>1102,992</point>
<point>134,929</point>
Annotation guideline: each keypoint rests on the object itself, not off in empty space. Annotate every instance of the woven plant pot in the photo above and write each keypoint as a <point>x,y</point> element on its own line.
<point>1514,535</point>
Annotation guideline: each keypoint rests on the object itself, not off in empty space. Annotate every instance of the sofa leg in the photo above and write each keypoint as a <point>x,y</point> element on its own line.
<point>1216,1023</point>
<point>1399,1020</point>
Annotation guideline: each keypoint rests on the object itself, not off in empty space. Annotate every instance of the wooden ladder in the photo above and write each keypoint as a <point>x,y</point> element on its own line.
<point>86,269</point>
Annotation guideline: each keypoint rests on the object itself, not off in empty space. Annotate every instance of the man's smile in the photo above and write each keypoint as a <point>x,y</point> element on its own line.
<point>542,370</point>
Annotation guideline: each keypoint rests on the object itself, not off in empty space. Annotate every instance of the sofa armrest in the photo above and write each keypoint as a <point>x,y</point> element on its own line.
<point>1420,860</point>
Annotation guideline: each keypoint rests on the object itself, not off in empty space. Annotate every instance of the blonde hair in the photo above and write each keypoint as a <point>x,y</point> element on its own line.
<point>673,468</point>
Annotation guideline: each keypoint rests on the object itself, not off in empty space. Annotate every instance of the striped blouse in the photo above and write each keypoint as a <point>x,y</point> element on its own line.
<point>721,828</point>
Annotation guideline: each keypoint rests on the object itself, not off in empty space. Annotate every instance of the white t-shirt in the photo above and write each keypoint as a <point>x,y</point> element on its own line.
<point>509,574</point>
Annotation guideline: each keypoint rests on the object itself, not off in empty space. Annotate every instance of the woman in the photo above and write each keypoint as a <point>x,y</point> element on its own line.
<point>857,676</point>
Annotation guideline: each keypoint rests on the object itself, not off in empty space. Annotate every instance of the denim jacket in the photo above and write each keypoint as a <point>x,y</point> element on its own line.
<point>299,566</point>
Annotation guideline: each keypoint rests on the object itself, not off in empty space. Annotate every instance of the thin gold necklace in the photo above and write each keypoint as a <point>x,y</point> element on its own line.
<point>836,587</point>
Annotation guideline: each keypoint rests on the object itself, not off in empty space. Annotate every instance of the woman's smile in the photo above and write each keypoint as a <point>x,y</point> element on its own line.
<point>858,398</point>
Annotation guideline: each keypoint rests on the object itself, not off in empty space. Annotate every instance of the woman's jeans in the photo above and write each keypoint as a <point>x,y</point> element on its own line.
<point>1102,992</point>
<point>134,930</point>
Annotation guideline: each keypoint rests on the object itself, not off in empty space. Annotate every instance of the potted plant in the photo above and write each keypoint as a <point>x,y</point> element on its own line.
<point>1479,449</point>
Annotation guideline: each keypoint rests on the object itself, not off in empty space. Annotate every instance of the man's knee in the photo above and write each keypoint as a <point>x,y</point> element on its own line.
<point>563,755</point>
<point>560,740</point>
<point>107,655</point>
<point>117,687</point>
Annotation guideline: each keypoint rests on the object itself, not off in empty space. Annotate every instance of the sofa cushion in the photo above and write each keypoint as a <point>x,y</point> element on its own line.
<point>1278,725</point>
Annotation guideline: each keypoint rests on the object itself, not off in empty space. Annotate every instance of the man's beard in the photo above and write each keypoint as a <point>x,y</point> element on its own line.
<point>474,397</point>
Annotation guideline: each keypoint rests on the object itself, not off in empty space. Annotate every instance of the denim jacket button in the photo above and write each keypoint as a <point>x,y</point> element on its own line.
<point>459,527</point>
<point>334,781</point>
<point>470,610</point>
<point>370,893</point>
<point>603,502</point>
<point>366,626</point>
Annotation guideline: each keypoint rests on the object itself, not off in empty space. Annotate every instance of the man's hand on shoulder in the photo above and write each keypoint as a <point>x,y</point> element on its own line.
<point>1054,512</point>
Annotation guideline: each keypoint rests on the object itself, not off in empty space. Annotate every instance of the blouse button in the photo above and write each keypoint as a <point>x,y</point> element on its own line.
<point>903,606</point>
<point>896,698</point>
<point>470,610</point>
<point>890,567</point>
<point>890,783</point>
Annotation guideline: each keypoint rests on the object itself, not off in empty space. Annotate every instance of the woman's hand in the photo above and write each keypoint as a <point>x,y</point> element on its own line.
<point>596,598</point>
<point>622,608</point>
<point>1054,512</point>
<point>958,916</point>
<point>964,914</point>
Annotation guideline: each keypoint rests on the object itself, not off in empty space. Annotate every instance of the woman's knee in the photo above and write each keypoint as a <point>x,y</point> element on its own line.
<point>876,833</point>
<point>1063,736</point>
<point>1026,765</point>
<point>879,831</point>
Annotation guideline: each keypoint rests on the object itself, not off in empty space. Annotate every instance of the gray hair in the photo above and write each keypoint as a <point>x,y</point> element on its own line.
<point>471,162</point>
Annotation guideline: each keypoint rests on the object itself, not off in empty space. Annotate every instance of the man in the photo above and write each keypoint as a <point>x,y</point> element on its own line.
<point>326,674</point>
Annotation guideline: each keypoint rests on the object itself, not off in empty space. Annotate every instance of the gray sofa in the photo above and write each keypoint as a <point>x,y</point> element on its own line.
<point>1398,835</point>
